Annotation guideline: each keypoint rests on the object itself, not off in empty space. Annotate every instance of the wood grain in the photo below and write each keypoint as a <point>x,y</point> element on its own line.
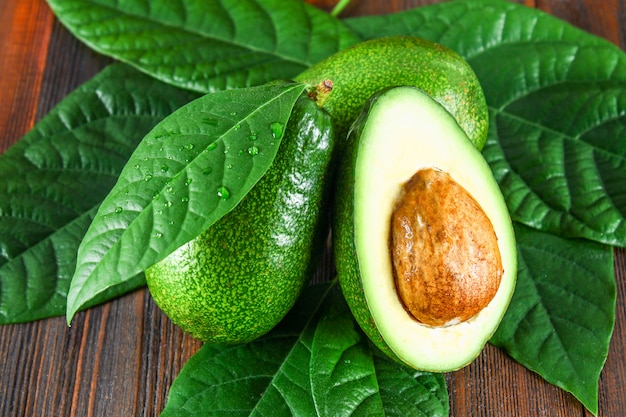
<point>119,359</point>
<point>25,29</point>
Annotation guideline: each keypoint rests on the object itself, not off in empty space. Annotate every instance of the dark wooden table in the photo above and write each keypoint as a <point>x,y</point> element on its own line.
<point>120,358</point>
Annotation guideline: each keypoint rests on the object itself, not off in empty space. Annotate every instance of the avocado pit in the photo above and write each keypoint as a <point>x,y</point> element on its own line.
<point>445,254</point>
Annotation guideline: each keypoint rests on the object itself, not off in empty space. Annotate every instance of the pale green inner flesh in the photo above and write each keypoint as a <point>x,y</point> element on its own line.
<point>423,135</point>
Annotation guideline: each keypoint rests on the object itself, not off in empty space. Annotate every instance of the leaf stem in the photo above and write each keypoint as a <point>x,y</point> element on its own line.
<point>342,4</point>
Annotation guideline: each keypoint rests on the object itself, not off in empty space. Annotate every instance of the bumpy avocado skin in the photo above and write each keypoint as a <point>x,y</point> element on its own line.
<point>362,70</point>
<point>238,279</point>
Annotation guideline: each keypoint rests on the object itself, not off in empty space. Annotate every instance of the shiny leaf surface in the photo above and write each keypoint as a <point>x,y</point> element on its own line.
<point>67,164</point>
<point>561,318</point>
<point>207,45</point>
<point>190,170</point>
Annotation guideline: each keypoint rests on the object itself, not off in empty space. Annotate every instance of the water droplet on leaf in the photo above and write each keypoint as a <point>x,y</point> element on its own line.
<point>223,193</point>
<point>277,129</point>
<point>253,150</point>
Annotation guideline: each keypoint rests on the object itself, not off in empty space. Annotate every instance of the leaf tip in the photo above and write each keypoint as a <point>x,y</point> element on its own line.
<point>69,316</point>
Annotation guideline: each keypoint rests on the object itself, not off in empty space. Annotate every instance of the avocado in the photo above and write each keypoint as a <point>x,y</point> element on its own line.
<point>343,82</point>
<point>423,242</point>
<point>236,280</point>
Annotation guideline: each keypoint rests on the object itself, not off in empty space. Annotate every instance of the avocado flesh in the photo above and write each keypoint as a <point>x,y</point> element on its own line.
<point>356,73</point>
<point>238,279</point>
<point>401,131</point>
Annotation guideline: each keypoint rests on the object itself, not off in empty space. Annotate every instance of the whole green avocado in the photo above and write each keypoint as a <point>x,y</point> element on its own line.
<point>239,278</point>
<point>344,82</point>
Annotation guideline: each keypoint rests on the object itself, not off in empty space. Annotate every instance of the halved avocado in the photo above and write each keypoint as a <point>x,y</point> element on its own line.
<point>429,288</point>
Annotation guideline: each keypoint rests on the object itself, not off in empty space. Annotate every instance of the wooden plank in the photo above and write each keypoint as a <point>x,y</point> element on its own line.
<point>613,377</point>
<point>604,18</point>
<point>25,28</point>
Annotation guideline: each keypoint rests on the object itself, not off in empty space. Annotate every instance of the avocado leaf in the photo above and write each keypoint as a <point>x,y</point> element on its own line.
<point>303,368</point>
<point>350,377</point>
<point>561,317</point>
<point>67,164</point>
<point>342,368</point>
<point>557,102</point>
<point>189,171</point>
<point>207,45</point>
<point>269,376</point>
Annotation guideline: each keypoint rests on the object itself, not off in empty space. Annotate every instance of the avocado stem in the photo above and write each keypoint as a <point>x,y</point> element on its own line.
<point>320,92</point>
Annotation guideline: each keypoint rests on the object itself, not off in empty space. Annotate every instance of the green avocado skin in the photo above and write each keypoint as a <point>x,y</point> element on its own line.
<point>238,279</point>
<point>344,247</point>
<point>362,70</point>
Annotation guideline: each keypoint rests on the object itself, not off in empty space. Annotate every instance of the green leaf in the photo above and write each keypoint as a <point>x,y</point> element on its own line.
<point>55,177</point>
<point>189,171</point>
<point>300,369</point>
<point>349,379</point>
<point>557,100</point>
<point>343,378</point>
<point>407,392</point>
<point>561,318</point>
<point>207,45</point>
<point>269,376</point>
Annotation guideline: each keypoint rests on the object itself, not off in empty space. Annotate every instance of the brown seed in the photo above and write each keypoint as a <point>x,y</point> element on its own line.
<point>444,250</point>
